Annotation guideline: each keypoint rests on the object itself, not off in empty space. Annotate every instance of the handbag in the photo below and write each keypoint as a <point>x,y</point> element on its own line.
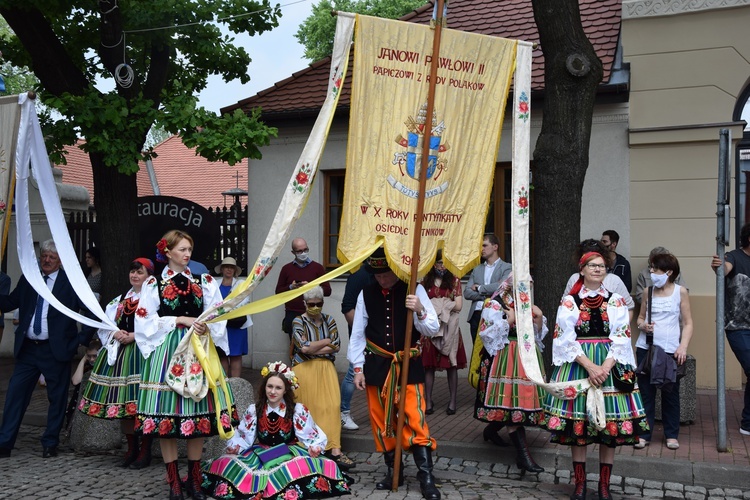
<point>273,456</point>
<point>644,367</point>
<point>185,375</point>
<point>623,377</point>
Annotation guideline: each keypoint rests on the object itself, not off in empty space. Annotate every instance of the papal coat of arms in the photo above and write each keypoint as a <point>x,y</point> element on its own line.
<point>409,160</point>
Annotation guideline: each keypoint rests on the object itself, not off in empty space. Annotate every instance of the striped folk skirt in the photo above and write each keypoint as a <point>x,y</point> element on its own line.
<point>244,476</point>
<point>567,420</point>
<point>504,392</point>
<point>164,413</point>
<point>112,391</point>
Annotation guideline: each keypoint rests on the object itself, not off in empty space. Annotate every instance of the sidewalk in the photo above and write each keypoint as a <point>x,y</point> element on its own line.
<point>695,463</point>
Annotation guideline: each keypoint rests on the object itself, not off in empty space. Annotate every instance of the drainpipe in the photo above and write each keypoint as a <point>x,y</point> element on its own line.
<point>152,177</point>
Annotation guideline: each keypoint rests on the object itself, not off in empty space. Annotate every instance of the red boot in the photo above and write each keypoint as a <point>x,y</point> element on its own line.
<point>132,454</point>
<point>605,471</point>
<point>194,480</point>
<point>173,480</point>
<point>579,470</point>
<point>144,456</point>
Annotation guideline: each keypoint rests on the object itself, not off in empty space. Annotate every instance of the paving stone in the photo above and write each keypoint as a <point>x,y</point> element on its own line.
<point>653,485</point>
<point>696,489</point>
<point>716,492</point>
<point>674,486</point>
<point>731,492</point>
<point>673,494</point>
<point>651,493</point>
<point>634,481</point>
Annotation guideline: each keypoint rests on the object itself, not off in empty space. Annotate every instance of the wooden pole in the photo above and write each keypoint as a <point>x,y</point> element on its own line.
<point>426,135</point>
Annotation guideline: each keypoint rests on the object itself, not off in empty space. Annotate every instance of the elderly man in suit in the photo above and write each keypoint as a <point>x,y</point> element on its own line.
<point>484,280</point>
<point>46,341</point>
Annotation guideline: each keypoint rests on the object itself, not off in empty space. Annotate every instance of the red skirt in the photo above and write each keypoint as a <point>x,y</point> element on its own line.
<point>433,359</point>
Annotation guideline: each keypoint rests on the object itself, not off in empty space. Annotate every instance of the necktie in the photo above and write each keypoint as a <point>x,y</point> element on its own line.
<point>38,312</point>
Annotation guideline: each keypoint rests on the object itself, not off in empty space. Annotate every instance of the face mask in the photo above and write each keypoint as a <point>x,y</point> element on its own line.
<point>439,272</point>
<point>659,280</point>
<point>302,257</point>
<point>314,311</point>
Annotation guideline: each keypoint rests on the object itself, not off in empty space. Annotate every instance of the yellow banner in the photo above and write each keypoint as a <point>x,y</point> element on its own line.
<point>10,112</point>
<point>387,126</point>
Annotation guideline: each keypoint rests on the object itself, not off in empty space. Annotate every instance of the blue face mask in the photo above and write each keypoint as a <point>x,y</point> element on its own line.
<point>439,272</point>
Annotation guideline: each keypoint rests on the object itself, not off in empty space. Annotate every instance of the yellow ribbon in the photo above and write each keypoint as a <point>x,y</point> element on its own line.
<point>211,365</point>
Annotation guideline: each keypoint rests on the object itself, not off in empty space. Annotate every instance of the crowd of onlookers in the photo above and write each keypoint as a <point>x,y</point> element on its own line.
<point>138,371</point>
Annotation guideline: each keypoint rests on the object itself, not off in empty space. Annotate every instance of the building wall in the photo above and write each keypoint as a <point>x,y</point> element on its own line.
<point>689,62</point>
<point>606,184</point>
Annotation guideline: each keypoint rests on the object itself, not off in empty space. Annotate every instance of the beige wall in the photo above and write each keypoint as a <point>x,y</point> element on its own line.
<point>689,63</point>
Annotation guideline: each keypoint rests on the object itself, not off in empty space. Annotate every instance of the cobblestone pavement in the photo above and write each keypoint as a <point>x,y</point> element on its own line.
<point>27,475</point>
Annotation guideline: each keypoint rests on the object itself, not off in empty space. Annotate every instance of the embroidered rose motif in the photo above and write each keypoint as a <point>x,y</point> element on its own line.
<point>195,368</point>
<point>178,370</point>
<point>578,428</point>
<point>141,312</point>
<point>169,292</point>
<point>321,484</point>
<point>225,420</point>
<point>165,427</point>
<point>131,408</point>
<point>570,392</point>
<point>81,405</point>
<point>612,428</point>
<point>94,409</point>
<point>554,423</point>
<point>187,428</point>
<point>112,411</point>
<point>523,106</point>
<point>516,416</point>
<point>627,427</point>
<point>221,489</point>
<point>148,426</point>
<point>204,426</point>
<point>291,495</point>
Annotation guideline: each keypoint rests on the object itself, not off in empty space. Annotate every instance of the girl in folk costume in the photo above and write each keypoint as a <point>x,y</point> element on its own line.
<point>171,304</point>
<point>504,393</point>
<point>287,463</point>
<point>592,336</point>
<point>112,390</point>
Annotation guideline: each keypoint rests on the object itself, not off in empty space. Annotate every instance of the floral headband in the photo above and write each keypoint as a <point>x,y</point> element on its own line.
<point>283,370</point>
<point>161,251</point>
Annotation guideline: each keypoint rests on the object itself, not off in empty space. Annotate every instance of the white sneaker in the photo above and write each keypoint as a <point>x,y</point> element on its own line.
<point>347,422</point>
<point>744,432</point>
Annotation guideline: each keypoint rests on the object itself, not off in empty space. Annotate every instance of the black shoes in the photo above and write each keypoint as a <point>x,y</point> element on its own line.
<point>429,411</point>
<point>450,411</point>
<point>48,452</point>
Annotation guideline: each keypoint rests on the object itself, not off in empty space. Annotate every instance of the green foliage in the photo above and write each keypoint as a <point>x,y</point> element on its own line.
<point>316,33</point>
<point>170,66</point>
<point>17,80</point>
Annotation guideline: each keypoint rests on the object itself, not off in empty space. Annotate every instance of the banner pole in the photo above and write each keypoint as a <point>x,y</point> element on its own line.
<point>416,242</point>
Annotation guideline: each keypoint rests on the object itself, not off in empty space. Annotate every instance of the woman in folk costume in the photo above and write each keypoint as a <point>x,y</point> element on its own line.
<point>444,291</point>
<point>112,389</point>
<point>592,336</point>
<point>171,304</point>
<point>287,462</point>
<point>504,393</point>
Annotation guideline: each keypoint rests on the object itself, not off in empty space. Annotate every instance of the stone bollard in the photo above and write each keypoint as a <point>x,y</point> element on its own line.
<point>89,435</point>
<point>687,395</point>
<point>242,390</point>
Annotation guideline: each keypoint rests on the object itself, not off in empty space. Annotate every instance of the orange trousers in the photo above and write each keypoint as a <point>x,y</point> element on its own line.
<point>415,432</point>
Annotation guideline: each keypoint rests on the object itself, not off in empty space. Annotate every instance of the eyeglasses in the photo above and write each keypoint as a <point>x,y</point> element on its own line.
<point>301,251</point>
<point>594,267</point>
<point>314,304</point>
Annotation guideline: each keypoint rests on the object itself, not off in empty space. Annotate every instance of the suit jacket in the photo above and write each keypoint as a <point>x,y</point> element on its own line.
<point>63,331</point>
<point>501,271</point>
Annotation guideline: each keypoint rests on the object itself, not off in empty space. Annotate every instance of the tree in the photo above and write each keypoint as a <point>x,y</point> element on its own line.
<point>572,72</point>
<point>162,52</point>
<point>317,31</point>
<point>16,80</point>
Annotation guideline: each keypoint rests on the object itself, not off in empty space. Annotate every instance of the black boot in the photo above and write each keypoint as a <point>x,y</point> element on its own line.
<point>523,457</point>
<point>387,482</point>
<point>605,471</point>
<point>423,461</point>
<point>194,480</point>
<point>132,454</point>
<point>173,480</point>
<point>144,456</point>
<point>579,474</point>
<point>490,433</point>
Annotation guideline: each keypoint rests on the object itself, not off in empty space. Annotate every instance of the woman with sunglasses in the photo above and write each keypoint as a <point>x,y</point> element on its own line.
<point>315,342</point>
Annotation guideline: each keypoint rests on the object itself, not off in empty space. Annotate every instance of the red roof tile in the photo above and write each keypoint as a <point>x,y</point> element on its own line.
<point>179,172</point>
<point>305,90</point>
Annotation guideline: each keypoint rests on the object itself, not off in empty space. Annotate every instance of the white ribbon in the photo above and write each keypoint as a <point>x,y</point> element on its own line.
<point>30,151</point>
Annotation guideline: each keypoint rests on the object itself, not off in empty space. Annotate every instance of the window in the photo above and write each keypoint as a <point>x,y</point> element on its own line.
<point>334,200</point>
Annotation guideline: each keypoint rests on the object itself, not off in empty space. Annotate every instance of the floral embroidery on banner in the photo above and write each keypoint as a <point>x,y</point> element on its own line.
<point>523,106</point>
<point>302,179</point>
<point>337,79</point>
<point>523,202</point>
